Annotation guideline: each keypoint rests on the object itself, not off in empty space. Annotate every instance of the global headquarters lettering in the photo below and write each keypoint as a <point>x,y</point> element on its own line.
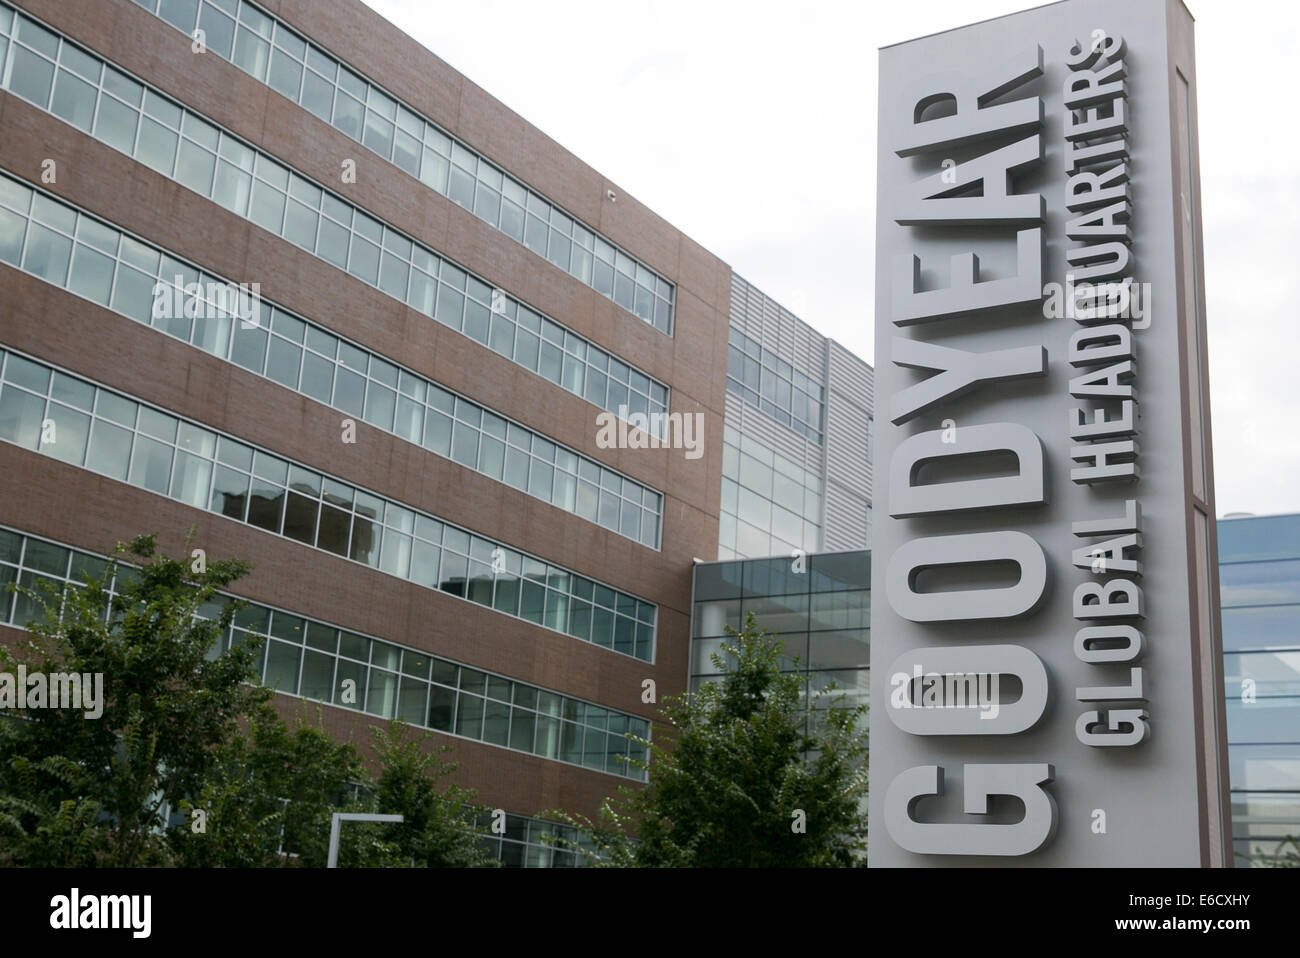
<point>1104,351</point>
<point>1102,424</point>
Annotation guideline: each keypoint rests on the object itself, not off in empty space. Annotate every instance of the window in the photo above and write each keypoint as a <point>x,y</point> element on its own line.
<point>20,416</point>
<point>74,99</point>
<point>156,451</point>
<point>339,96</point>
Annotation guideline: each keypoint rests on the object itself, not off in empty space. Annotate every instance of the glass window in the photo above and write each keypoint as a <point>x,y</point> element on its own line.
<point>322,342</point>
<point>300,225</point>
<point>157,146</point>
<point>380,404</point>
<point>282,661</point>
<point>442,708</point>
<point>91,274</point>
<point>349,684</point>
<point>571,742</point>
<point>1260,583</point>
<point>230,493</point>
<point>395,557</point>
<point>249,349</point>
<point>464,448</point>
<point>317,675</point>
<point>232,188</point>
<point>349,115</point>
<point>300,517</point>
<point>20,415</point>
<point>413,700</point>
<point>116,124</point>
<point>381,696</point>
<point>194,169</point>
<point>437,433</point>
<point>333,243</point>
<point>450,308</point>
<point>47,254</point>
<point>318,95</point>
<point>151,465</point>
<point>317,377</point>
<point>266,504</point>
<point>378,134</point>
<point>364,260</point>
<point>365,532</point>
<point>496,722</point>
<point>285,76</point>
<point>252,53</point>
<point>507,592</point>
<point>349,391</point>
<point>283,362</point>
<point>492,457</point>
<point>469,716</point>
<point>110,448</point>
<point>12,227</point>
<point>453,574</point>
<point>219,30</point>
<point>267,208</point>
<point>32,76</point>
<point>410,419</point>
<point>74,100</point>
<point>190,479</point>
<point>460,187</point>
<point>72,391</point>
<point>133,294</point>
<point>180,13</point>
<point>434,170</point>
<point>424,564</point>
<point>335,525</point>
<point>477,320</point>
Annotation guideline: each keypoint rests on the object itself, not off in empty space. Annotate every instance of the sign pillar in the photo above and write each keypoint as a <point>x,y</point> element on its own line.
<point>1047,684</point>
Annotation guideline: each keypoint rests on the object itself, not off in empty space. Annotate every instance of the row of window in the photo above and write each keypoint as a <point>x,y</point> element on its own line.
<point>78,422</point>
<point>1265,768</point>
<point>268,50</point>
<point>1259,538</point>
<point>1262,719</point>
<point>1261,583</point>
<point>770,505</point>
<point>314,660</point>
<point>531,842</point>
<point>848,609</point>
<point>96,98</point>
<point>1269,674</point>
<point>768,382</point>
<point>55,242</point>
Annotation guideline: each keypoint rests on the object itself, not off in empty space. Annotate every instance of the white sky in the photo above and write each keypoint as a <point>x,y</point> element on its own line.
<point>750,126</point>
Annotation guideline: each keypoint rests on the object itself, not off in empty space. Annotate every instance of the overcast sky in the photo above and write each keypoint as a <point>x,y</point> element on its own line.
<point>750,126</point>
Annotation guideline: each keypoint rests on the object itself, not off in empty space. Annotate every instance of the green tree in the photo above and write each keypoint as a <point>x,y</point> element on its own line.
<point>270,797</point>
<point>41,827</point>
<point>166,703</point>
<point>438,828</point>
<point>743,775</point>
<point>186,727</point>
<point>1285,855</point>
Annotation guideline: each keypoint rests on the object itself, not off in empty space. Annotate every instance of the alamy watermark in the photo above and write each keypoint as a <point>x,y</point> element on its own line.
<point>946,690</point>
<point>1094,302</point>
<point>656,430</point>
<point>208,300</point>
<point>56,690</point>
<point>77,911</point>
